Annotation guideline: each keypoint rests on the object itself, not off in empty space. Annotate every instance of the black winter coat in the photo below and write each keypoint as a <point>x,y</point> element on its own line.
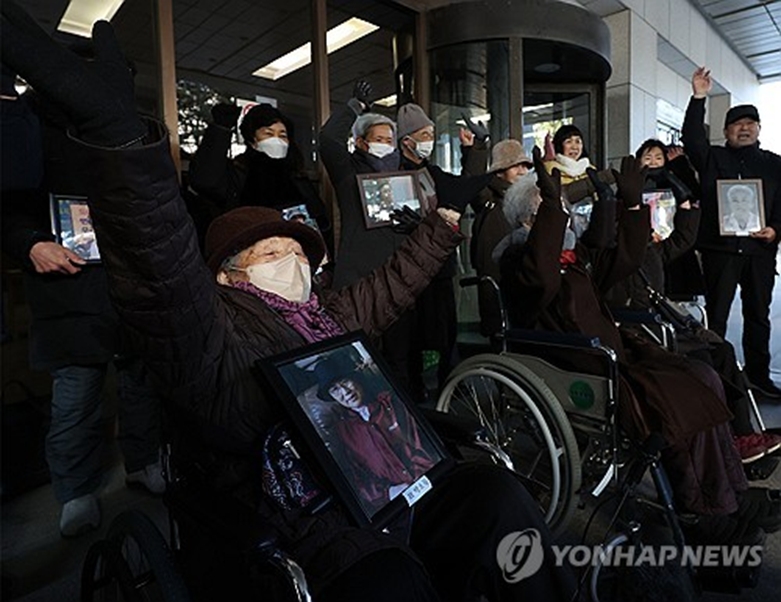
<point>73,321</point>
<point>360,249</point>
<point>200,340</point>
<point>725,162</point>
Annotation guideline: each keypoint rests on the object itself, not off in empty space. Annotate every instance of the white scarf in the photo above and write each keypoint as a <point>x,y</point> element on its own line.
<point>570,167</point>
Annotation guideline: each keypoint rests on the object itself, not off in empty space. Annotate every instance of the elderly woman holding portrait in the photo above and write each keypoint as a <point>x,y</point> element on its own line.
<point>201,327</point>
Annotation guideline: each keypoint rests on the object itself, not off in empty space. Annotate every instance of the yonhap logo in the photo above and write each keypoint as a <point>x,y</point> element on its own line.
<point>520,555</point>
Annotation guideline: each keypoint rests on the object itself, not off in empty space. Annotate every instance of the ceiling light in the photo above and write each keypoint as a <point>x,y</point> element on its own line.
<point>335,38</point>
<point>388,101</point>
<point>81,15</point>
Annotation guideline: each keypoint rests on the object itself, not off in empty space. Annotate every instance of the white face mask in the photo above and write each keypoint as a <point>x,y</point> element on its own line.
<point>380,149</point>
<point>424,149</point>
<point>274,147</point>
<point>289,277</point>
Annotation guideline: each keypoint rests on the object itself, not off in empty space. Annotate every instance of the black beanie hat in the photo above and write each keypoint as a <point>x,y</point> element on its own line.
<point>739,112</point>
<point>564,132</point>
<point>260,116</point>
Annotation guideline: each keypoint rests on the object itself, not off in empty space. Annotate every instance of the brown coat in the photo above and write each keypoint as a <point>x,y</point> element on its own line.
<point>543,294</point>
<point>201,340</point>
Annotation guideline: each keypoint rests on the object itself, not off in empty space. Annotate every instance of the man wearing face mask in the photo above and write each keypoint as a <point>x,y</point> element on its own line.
<point>436,323</point>
<point>269,173</point>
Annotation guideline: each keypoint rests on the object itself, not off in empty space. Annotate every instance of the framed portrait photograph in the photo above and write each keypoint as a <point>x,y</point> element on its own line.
<point>661,204</point>
<point>72,226</point>
<point>376,451</point>
<point>300,213</point>
<point>741,207</point>
<point>382,193</point>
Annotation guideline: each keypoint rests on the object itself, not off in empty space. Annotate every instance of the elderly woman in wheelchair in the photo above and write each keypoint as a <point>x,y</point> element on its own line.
<point>202,326</point>
<point>554,282</point>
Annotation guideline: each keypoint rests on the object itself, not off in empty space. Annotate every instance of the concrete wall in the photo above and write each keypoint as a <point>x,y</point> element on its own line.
<point>656,44</point>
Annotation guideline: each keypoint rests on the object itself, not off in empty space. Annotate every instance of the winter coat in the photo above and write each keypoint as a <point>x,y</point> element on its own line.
<point>252,178</point>
<point>544,293</point>
<point>631,292</point>
<point>72,319</point>
<point>575,183</point>
<point>360,249</point>
<point>725,162</point>
<point>201,340</point>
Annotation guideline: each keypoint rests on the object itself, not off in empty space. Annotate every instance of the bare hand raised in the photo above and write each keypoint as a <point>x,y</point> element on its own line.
<point>701,82</point>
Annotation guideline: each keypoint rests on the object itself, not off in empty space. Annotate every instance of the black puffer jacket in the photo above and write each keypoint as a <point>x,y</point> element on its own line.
<point>200,339</point>
<point>725,162</point>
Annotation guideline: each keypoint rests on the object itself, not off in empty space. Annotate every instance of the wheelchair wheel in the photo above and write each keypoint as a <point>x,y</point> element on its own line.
<point>133,563</point>
<point>521,416</point>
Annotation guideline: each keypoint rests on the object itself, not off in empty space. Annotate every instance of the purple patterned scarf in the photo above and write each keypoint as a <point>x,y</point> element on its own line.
<point>308,319</point>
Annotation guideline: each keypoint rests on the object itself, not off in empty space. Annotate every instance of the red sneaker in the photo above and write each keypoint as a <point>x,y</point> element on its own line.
<point>750,447</point>
<point>772,442</point>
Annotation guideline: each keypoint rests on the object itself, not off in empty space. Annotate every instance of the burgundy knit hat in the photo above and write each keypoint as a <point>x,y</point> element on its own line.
<point>240,228</point>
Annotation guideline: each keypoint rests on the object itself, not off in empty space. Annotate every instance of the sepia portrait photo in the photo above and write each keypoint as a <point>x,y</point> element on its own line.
<point>741,207</point>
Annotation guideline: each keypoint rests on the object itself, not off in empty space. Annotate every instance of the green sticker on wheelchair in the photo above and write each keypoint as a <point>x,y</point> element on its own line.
<point>581,394</point>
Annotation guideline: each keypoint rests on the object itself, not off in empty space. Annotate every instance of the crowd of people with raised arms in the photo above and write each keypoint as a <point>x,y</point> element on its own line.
<point>567,240</point>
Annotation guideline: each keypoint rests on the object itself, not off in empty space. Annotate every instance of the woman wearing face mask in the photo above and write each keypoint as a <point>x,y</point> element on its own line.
<point>268,173</point>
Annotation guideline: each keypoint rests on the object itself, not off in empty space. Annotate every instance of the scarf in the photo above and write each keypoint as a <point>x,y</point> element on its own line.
<point>570,167</point>
<point>308,319</point>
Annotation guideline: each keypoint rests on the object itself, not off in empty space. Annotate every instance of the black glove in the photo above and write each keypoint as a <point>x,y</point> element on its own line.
<point>225,115</point>
<point>405,220</point>
<point>97,96</point>
<point>362,91</point>
<point>549,184</point>
<point>604,191</point>
<point>631,181</point>
<point>681,191</point>
<point>476,127</point>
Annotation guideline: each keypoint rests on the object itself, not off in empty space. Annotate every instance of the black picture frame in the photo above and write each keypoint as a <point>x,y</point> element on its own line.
<point>382,193</point>
<point>359,455</point>
<point>744,197</point>
<point>300,213</point>
<point>72,226</point>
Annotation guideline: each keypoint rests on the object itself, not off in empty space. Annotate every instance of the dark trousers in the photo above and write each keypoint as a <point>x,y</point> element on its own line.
<point>756,275</point>
<point>456,533</point>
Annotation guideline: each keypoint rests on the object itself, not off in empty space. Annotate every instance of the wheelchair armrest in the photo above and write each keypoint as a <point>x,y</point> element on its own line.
<point>546,337</point>
<point>637,316</point>
<point>452,428</point>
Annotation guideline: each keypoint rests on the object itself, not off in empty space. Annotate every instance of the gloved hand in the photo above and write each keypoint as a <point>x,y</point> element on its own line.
<point>550,152</point>
<point>405,220</point>
<point>630,180</point>
<point>680,190</point>
<point>225,115</point>
<point>549,184</point>
<point>97,96</point>
<point>604,191</point>
<point>362,91</point>
<point>476,127</point>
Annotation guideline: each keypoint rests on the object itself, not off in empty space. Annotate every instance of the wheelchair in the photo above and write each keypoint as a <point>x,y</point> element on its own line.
<point>220,547</point>
<point>558,424</point>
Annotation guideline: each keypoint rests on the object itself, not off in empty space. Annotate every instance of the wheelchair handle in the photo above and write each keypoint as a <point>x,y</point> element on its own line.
<point>476,281</point>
